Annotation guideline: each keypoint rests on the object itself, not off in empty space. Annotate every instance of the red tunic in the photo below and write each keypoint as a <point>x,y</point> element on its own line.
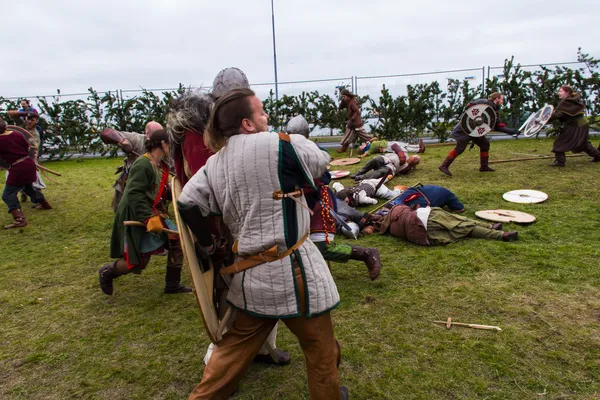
<point>14,151</point>
<point>195,153</point>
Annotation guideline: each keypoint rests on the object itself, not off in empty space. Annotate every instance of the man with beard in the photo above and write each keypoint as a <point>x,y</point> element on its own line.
<point>278,274</point>
<point>186,123</point>
<point>144,201</point>
<point>574,133</point>
<point>14,155</point>
<point>462,139</point>
<point>132,144</point>
<point>354,124</point>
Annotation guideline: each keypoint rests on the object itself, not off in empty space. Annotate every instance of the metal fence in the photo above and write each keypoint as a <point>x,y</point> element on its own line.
<point>498,71</point>
<point>362,85</point>
<point>397,84</point>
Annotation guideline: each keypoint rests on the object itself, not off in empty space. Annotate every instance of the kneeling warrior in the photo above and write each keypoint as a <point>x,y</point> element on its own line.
<point>462,138</point>
<point>144,201</point>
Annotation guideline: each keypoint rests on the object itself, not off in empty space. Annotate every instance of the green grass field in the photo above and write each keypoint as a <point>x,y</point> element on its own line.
<point>61,338</point>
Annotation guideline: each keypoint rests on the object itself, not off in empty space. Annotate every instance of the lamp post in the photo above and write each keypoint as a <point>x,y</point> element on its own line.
<point>274,51</point>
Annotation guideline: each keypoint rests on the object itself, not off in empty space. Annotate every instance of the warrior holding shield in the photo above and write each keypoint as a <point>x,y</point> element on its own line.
<point>480,121</point>
<point>186,123</point>
<point>253,182</point>
<point>574,132</point>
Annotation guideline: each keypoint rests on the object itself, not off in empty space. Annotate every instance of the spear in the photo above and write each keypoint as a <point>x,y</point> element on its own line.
<point>532,158</point>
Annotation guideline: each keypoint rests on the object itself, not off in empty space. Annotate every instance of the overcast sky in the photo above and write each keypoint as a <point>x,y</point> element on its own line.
<point>127,44</point>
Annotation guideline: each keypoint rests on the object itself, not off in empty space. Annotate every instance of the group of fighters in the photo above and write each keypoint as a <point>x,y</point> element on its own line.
<point>261,209</point>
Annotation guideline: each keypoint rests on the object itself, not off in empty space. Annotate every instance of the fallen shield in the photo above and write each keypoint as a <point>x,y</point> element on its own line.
<point>506,216</point>
<point>345,161</point>
<point>478,120</point>
<point>536,121</point>
<point>525,196</point>
<point>339,174</point>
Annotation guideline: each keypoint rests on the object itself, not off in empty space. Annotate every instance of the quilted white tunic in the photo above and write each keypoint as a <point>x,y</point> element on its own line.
<point>238,182</point>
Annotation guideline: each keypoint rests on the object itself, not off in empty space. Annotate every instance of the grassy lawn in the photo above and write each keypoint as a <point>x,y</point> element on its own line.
<point>60,337</point>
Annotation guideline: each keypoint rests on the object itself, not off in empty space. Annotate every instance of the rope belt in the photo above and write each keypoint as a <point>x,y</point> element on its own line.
<point>266,256</point>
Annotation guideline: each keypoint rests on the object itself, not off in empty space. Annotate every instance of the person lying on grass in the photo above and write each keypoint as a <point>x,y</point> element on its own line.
<point>375,146</point>
<point>432,226</point>
<point>428,196</point>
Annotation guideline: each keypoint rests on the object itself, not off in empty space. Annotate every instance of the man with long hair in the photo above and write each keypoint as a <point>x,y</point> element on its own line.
<point>354,124</point>
<point>186,123</point>
<point>253,181</point>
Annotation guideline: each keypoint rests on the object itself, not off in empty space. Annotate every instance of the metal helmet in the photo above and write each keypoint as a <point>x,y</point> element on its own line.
<point>229,79</point>
<point>298,125</point>
<point>353,233</point>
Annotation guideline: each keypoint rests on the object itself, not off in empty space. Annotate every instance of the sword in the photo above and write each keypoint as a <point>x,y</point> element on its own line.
<point>338,219</point>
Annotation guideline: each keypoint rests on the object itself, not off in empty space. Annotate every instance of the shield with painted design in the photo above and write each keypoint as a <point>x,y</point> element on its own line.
<point>478,120</point>
<point>536,121</point>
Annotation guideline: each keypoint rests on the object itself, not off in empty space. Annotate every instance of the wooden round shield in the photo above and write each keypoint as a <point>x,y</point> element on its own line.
<point>203,279</point>
<point>525,196</point>
<point>506,216</point>
<point>345,161</point>
<point>339,174</point>
<point>536,121</point>
<point>478,120</point>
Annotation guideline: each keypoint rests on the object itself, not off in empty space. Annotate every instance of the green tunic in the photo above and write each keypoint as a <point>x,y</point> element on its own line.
<point>143,185</point>
<point>376,146</point>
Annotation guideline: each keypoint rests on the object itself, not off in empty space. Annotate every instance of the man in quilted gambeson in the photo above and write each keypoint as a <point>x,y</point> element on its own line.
<point>253,181</point>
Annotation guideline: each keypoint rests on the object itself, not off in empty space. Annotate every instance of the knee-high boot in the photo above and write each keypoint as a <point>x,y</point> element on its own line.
<point>19,219</point>
<point>484,157</point>
<point>446,164</point>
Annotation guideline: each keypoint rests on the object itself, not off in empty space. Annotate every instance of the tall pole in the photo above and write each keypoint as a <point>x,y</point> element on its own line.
<point>274,51</point>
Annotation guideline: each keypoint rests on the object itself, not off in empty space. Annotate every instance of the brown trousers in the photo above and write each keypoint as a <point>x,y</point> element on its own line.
<point>233,355</point>
<point>352,135</point>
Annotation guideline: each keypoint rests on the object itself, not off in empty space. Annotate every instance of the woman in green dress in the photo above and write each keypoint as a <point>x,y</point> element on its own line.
<point>145,200</point>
